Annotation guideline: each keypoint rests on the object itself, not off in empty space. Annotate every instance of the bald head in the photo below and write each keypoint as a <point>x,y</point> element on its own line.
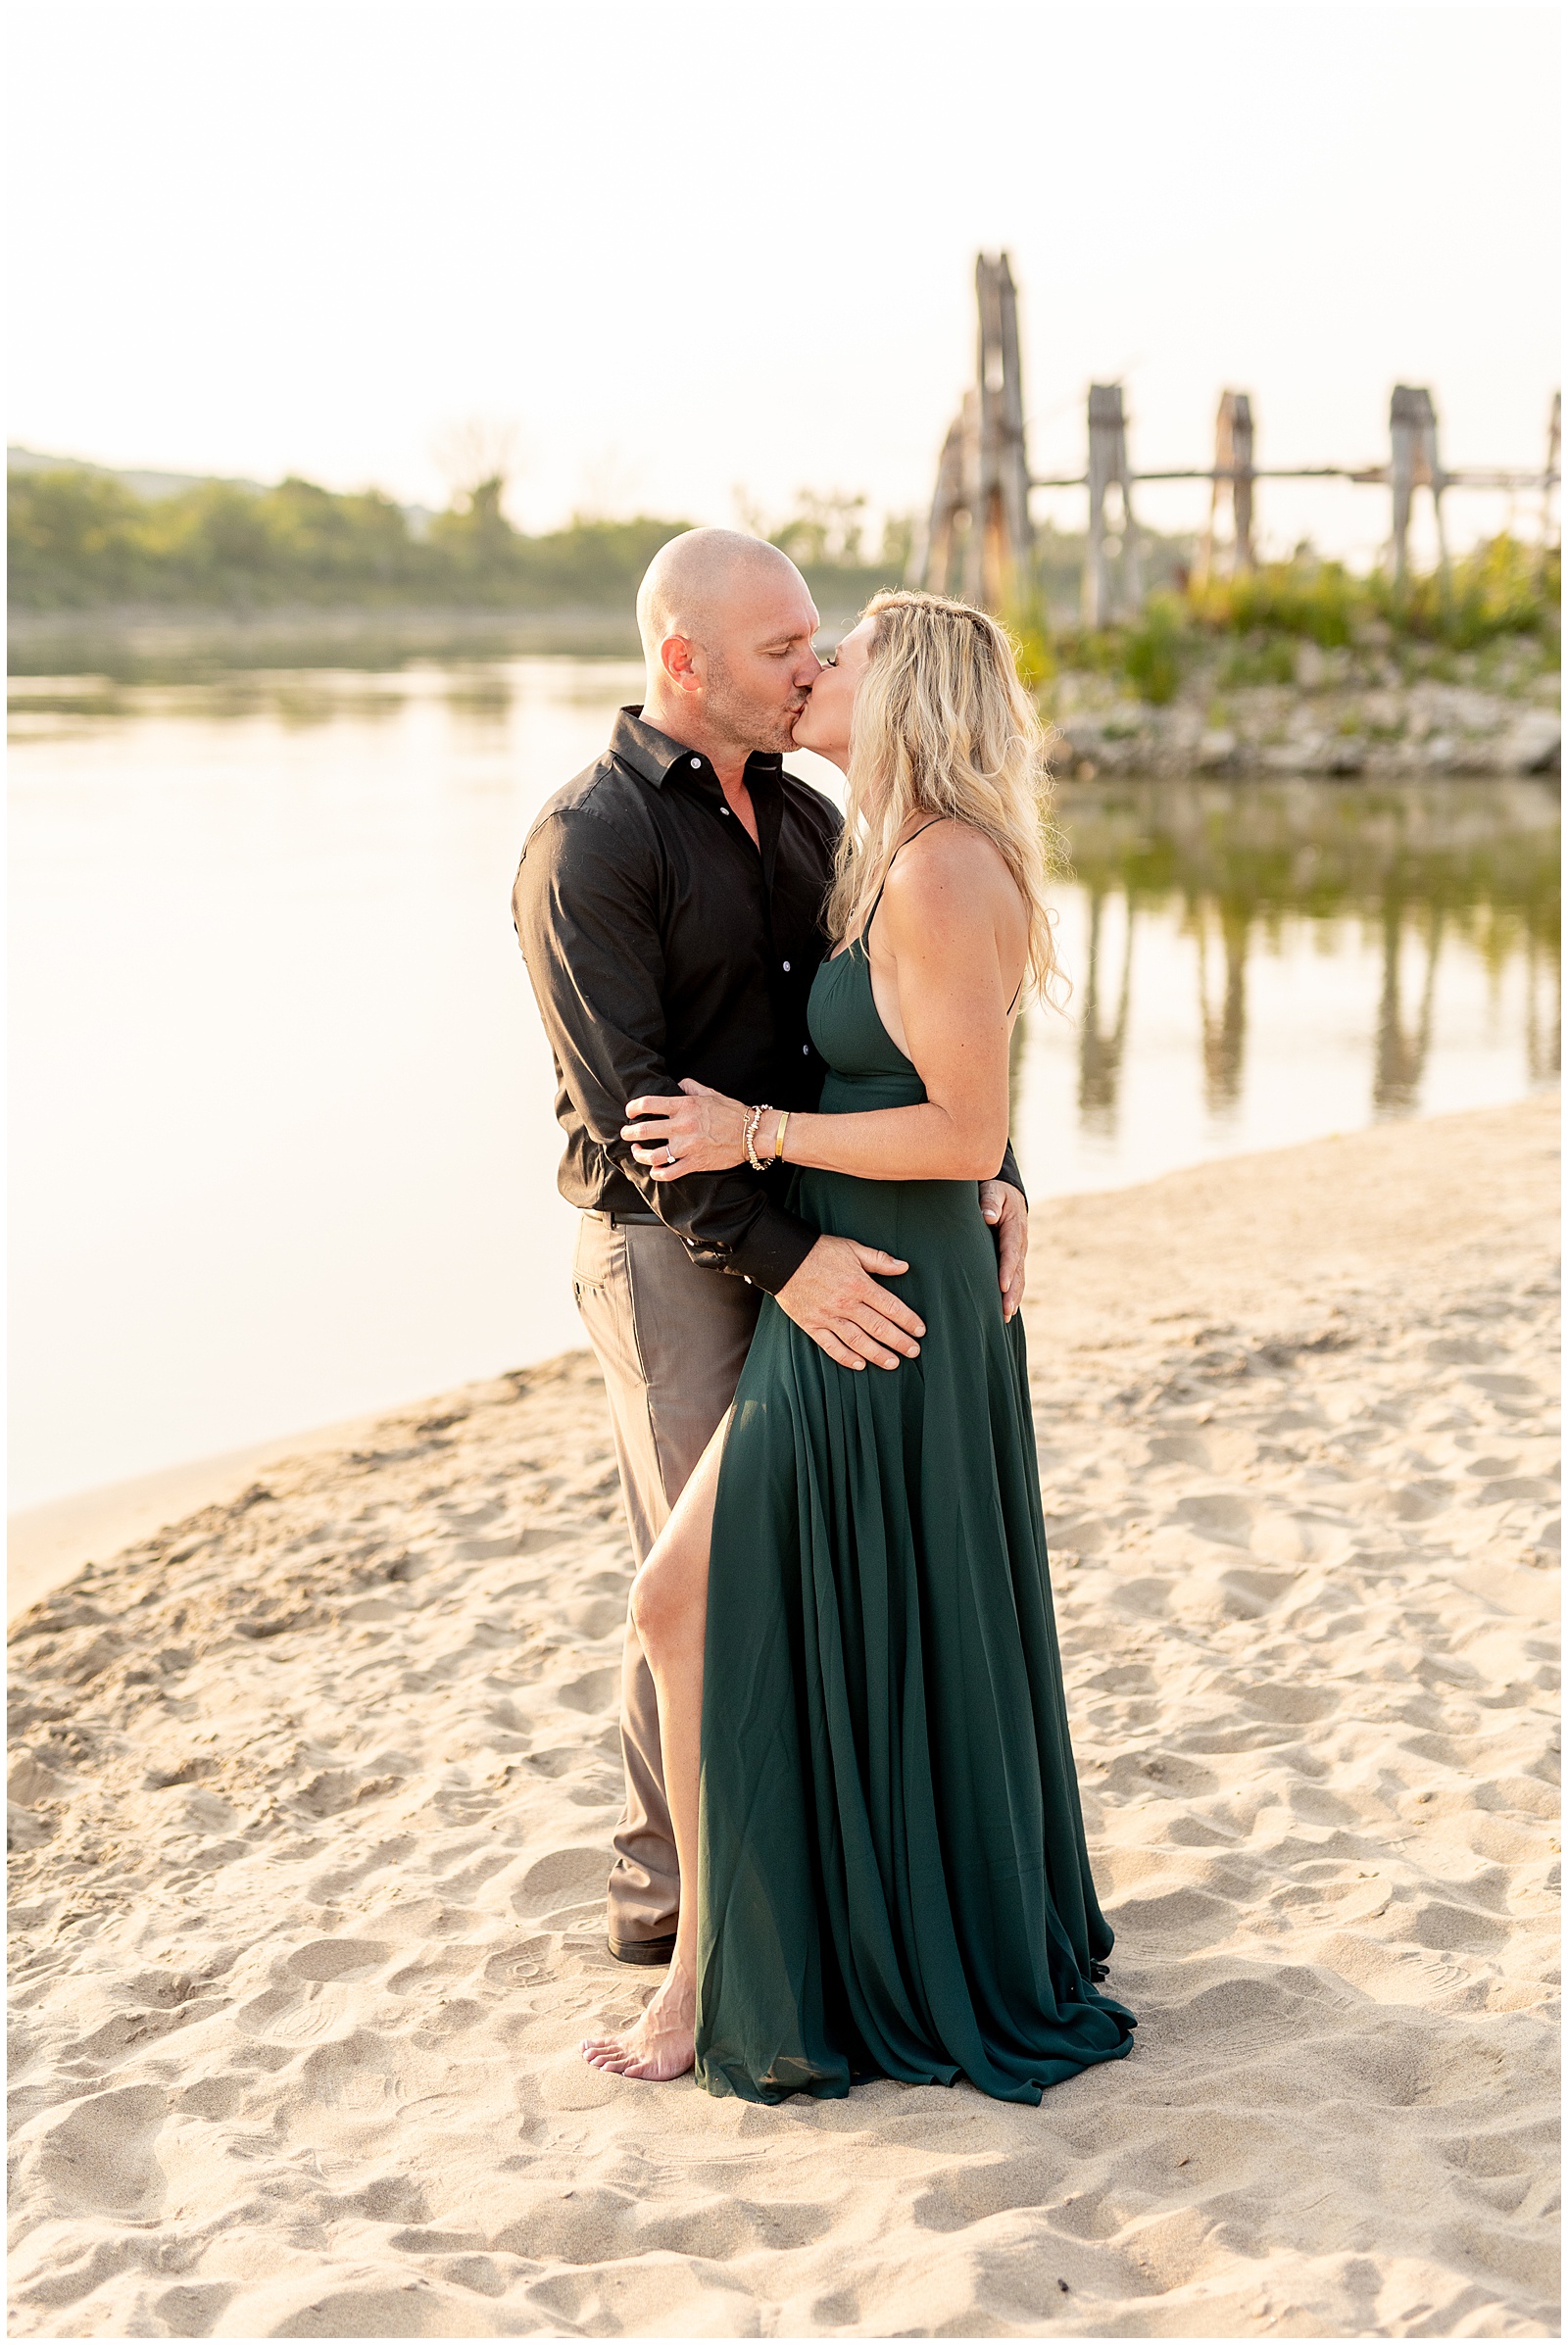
<point>726,623</point>
<point>694,584</point>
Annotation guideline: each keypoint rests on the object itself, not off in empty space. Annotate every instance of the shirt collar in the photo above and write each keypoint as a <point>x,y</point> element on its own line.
<point>654,757</point>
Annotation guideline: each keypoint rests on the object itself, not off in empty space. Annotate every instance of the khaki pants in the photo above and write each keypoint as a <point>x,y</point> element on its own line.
<point>672,1341</point>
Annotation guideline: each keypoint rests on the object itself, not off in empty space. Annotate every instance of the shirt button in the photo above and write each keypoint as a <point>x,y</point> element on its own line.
<point>725,810</point>
<point>806,1049</point>
<point>697,764</point>
<point>786,968</point>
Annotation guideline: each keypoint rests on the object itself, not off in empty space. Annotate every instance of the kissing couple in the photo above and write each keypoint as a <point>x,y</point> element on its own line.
<point>781,1042</point>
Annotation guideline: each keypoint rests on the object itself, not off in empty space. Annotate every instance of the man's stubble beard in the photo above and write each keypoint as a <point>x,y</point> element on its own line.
<point>749,724</point>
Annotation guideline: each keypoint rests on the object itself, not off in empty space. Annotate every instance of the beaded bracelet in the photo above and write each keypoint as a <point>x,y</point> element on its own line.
<point>753,1117</point>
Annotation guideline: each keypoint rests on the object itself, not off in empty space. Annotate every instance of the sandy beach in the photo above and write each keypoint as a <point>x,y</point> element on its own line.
<point>312,1790</point>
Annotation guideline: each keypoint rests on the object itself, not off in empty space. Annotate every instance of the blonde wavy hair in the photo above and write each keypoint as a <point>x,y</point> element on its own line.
<point>943,727</point>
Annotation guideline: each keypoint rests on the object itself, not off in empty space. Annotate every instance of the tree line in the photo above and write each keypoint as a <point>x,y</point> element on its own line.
<point>82,540</point>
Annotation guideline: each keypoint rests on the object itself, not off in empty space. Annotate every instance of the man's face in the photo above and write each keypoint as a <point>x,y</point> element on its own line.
<point>758,664</point>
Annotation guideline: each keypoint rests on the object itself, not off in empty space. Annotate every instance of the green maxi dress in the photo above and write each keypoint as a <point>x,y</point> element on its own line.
<point>892,1877</point>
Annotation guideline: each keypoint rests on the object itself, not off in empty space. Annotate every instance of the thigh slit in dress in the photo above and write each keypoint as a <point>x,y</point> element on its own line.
<point>892,1877</point>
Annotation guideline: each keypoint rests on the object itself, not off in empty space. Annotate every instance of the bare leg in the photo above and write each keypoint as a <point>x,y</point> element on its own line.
<point>670,1606</point>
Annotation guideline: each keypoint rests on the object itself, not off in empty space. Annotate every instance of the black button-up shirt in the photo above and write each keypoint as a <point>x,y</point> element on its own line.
<point>660,943</point>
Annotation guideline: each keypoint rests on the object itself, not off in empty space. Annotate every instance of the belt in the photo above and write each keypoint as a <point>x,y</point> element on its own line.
<point>620,1221</point>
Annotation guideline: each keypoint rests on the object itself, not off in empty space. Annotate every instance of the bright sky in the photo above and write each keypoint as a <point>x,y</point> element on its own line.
<point>692,248</point>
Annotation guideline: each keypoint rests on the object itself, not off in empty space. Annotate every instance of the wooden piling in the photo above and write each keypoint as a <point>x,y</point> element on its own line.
<point>981,502</point>
<point>1233,480</point>
<point>1108,468</point>
<point>980,522</point>
<point>1550,477</point>
<point>1413,463</point>
<point>1003,537</point>
<point>951,502</point>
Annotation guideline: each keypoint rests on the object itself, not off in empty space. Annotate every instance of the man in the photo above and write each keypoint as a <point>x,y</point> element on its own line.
<point>668,906</point>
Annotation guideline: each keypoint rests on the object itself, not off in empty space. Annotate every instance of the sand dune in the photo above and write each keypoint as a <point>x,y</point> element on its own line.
<point>312,1795</point>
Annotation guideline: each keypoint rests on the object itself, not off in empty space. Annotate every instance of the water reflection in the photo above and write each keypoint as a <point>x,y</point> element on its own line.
<point>1414,932</point>
<point>298,701</point>
<point>265,913</point>
<point>1403,1043</point>
<point>1102,1031</point>
<point>480,696</point>
<point>215,651</point>
<point>1543,1035</point>
<point>1222,937</point>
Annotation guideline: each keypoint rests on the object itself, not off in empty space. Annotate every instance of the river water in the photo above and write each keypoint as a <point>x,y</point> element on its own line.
<point>282,1141</point>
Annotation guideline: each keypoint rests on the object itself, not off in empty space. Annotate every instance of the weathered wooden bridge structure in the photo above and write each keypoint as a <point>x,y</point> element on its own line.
<point>979,540</point>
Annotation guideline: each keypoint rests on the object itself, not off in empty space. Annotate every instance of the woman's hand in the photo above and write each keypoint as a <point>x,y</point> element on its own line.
<point>701,1132</point>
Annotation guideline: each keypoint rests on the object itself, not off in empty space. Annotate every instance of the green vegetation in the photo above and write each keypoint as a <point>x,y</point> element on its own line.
<point>82,540</point>
<point>1249,628</point>
<point>1268,853</point>
<point>1501,588</point>
<point>1152,653</point>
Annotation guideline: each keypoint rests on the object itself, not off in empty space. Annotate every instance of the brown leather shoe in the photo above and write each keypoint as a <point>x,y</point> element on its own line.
<point>649,1953</point>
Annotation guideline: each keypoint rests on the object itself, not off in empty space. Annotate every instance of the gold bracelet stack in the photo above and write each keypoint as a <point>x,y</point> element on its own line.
<point>753,1118</point>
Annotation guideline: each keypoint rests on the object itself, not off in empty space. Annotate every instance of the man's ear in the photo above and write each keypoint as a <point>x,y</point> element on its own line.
<point>677,655</point>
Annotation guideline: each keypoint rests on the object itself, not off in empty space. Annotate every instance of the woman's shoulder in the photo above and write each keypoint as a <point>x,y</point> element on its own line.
<point>950,855</point>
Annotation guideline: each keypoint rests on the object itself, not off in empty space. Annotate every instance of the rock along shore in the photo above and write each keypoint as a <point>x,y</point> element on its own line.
<point>1329,720</point>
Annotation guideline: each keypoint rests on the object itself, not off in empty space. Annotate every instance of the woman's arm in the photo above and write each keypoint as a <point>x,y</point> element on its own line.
<point>950,939</point>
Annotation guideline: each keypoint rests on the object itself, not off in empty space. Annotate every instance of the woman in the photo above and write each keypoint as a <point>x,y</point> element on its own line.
<point>850,1596</point>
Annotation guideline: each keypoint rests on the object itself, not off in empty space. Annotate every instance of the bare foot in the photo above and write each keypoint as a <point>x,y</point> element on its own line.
<point>661,2044</point>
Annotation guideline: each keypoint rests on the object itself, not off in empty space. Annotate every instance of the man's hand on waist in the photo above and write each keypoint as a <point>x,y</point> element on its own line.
<point>834,1297</point>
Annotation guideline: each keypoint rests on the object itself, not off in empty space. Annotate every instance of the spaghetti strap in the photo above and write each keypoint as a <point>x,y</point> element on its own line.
<point>865,925</point>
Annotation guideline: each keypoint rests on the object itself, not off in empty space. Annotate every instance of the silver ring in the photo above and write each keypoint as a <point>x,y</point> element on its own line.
<point>670,1156</point>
